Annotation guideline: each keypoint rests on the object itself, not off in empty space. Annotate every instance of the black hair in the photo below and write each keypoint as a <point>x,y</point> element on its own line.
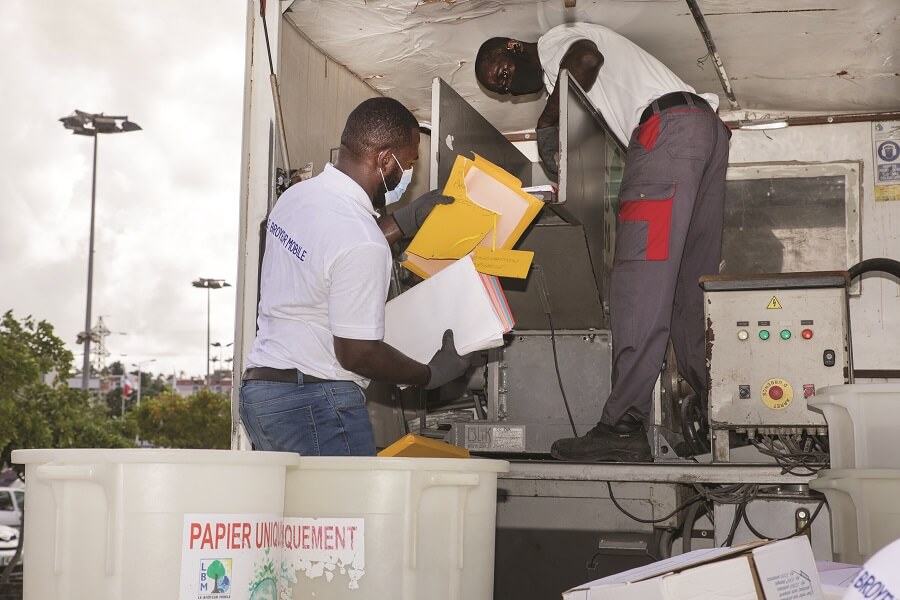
<point>376,124</point>
<point>487,52</point>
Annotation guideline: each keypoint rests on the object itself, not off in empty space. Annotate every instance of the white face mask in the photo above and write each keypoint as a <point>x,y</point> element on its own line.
<point>394,195</point>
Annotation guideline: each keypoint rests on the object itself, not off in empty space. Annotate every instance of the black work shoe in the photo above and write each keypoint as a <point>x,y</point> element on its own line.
<point>625,441</point>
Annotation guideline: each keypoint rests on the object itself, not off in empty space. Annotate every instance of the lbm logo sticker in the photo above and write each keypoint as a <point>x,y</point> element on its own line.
<point>215,578</point>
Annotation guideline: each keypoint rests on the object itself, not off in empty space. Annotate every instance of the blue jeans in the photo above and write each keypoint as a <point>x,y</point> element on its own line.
<point>312,419</point>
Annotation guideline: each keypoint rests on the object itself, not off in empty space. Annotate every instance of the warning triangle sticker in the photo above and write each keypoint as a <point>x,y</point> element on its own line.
<point>774,303</point>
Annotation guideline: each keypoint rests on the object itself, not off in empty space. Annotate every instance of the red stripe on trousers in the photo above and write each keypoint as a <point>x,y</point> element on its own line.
<point>649,131</point>
<point>658,215</point>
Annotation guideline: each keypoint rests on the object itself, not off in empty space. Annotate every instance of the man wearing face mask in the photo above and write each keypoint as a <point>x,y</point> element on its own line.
<point>323,286</point>
<point>670,209</point>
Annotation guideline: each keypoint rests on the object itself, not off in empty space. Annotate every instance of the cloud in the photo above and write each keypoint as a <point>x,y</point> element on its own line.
<point>167,196</point>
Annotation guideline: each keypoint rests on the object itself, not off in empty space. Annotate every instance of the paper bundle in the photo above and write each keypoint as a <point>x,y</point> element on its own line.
<point>459,298</point>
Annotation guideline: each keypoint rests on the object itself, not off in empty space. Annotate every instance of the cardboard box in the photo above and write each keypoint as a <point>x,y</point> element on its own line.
<point>784,570</point>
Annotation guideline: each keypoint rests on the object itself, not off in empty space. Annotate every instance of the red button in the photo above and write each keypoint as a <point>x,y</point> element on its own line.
<point>807,334</point>
<point>775,392</point>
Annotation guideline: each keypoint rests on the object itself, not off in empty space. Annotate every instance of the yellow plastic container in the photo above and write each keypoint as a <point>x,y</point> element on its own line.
<point>417,446</point>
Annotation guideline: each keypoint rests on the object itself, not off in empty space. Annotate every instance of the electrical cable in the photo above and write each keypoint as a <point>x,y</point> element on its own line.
<point>870,265</point>
<point>688,430</point>
<point>677,510</point>
<point>559,376</point>
<point>664,545</point>
<point>738,514</point>
<point>545,303</point>
<point>800,531</point>
<point>811,462</point>
<point>687,528</point>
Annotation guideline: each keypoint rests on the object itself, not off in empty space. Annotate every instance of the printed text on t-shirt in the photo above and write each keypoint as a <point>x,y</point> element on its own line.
<point>287,241</point>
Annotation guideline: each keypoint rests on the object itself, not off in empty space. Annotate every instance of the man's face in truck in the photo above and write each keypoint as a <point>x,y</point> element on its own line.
<point>508,69</point>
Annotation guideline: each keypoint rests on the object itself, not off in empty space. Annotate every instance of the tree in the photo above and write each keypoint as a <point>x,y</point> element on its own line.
<point>152,386</point>
<point>114,401</point>
<point>201,420</point>
<point>37,408</point>
<point>215,571</point>
<point>115,368</point>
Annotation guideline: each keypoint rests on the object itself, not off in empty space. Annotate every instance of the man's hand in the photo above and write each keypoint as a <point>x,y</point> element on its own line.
<point>548,148</point>
<point>410,217</point>
<point>446,364</point>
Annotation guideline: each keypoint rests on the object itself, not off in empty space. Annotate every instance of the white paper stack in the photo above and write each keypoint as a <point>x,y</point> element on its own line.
<point>457,298</point>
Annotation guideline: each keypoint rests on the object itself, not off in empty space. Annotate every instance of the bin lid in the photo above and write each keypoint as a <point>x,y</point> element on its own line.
<point>152,455</point>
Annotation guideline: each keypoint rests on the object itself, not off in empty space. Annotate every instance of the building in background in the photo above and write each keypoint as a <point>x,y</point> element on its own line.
<point>220,382</point>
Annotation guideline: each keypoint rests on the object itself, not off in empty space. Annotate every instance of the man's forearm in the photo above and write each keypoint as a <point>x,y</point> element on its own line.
<point>379,361</point>
<point>583,61</point>
<point>550,116</point>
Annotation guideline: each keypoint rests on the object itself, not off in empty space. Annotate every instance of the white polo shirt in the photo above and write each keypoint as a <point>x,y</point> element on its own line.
<point>325,273</point>
<point>628,81</point>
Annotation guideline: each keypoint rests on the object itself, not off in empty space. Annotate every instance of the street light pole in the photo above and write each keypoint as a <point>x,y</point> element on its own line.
<point>207,336</point>
<point>140,380</point>
<point>86,364</point>
<point>90,124</point>
<point>209,284</point>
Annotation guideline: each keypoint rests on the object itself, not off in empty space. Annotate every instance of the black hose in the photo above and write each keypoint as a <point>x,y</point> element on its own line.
<point>871,265</point>
<point>691,436</point>
<point>687,528</point>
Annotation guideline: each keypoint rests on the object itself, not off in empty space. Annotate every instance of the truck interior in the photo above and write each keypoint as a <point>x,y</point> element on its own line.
<point>810,90</point>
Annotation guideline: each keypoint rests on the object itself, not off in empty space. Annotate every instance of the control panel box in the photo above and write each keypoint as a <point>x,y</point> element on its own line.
<point>771,342</point>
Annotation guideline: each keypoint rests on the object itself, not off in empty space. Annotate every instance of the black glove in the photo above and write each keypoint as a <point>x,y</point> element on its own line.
<point>446,365</point>
<point>410,217</point>
<point>548,148</point>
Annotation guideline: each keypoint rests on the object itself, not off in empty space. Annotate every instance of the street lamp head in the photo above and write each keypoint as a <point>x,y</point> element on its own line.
<point>205,282</point>
<point>90,124</point>
<point>130,126</point>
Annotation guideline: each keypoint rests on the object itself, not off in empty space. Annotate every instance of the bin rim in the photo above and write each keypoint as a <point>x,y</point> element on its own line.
<point>832,474</point>
<point>151,456</point>
<point>398,463</point>
<point>845,389</point>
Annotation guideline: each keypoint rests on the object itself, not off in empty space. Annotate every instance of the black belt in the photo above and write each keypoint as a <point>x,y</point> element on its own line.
<point>280,375</point>
<point>673,99</point>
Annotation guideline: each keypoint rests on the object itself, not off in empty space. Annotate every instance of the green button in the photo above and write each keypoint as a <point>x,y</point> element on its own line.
<point>763,334</point>
<point>785,334</point>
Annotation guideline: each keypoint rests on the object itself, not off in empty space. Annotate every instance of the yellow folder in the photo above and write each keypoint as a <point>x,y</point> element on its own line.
<point>490,210</point>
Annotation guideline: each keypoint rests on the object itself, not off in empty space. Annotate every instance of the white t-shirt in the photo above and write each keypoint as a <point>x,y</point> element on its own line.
<point>628,81</point>
<point>325,273</point>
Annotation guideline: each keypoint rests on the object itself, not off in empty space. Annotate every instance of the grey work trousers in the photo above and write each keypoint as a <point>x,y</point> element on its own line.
<point>668,234</point>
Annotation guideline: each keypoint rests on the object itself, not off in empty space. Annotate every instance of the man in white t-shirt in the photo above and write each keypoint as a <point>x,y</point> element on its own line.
<point>670,209</point>
<point>323,286</point>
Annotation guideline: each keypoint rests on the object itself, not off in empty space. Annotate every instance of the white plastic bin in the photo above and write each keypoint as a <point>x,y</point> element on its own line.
<point>142,524</point>
<point>391,528</point>
<point>863,421</point>
<point>865,511</point>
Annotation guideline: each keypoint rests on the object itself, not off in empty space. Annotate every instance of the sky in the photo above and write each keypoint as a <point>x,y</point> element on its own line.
<point>167,196</point>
